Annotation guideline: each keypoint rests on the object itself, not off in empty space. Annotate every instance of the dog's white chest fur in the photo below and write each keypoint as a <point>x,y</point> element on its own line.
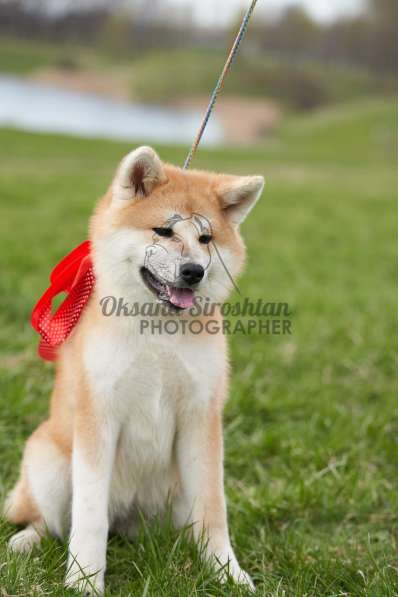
<point>148,383</point>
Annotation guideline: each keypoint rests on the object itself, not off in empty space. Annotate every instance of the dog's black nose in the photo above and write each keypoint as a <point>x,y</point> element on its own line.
<point>191,273</point>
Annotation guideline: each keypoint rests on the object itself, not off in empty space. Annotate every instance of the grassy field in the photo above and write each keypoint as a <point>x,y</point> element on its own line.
<point>24,56</point>
<point>302,85</point>
<point>311,428</point>
<point>161,77</point>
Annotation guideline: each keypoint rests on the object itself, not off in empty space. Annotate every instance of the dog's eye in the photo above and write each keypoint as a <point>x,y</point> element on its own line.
<point>166,232</point>
<point>205,239</point>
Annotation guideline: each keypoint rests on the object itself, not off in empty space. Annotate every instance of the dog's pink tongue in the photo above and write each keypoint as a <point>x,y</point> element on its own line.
<point>181,297</point>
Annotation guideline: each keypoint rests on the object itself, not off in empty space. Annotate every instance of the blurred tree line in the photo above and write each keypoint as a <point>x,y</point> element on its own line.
<point>369,40</point>
<point>292,58</point>
<point>117,25</point>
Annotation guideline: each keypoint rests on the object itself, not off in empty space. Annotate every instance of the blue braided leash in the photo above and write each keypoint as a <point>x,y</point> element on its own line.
<point>231,57</point>
<point>220,82</point>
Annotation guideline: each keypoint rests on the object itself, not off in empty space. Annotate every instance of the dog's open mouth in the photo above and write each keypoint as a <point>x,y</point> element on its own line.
<point>180,298</point>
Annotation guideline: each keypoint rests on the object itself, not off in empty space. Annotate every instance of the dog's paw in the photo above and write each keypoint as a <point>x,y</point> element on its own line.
<point>24,541</point>
<point>86,587</point>
<point>241,577</point>
<point>89,586</point>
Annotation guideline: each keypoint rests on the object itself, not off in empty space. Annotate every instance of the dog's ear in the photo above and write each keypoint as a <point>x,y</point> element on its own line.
<point>137,175</point>
<point>238,195</point>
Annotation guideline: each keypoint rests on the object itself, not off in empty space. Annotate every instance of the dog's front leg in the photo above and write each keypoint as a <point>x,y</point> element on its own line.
<point>92,462</point>
<point>201,501</point>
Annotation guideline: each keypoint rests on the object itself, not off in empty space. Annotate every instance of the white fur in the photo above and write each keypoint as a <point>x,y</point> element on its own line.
<point>151,396</point>
<point>50,483</point>
<point>24,541</point>
<point>144,388</point>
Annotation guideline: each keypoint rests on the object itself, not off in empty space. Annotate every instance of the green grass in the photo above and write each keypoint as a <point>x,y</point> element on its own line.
<point>165,76</point>
<point>22,57</point>
<point>25,56</point>
<point>311,428</point>
<point>161,77</point>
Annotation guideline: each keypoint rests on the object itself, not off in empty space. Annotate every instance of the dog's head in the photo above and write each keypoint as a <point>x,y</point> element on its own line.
<point>168,234</point>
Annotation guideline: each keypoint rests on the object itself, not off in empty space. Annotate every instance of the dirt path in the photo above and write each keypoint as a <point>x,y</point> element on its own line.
<point>112,84</point>
<point>244,120</point>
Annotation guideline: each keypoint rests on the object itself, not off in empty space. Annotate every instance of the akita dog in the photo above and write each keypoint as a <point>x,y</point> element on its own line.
<point>136,418</point>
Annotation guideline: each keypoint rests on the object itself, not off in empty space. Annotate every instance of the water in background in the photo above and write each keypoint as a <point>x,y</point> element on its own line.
<point>36,107</point>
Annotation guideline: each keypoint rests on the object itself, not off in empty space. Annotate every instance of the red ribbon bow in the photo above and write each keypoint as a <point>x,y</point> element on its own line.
<point>75,276</point>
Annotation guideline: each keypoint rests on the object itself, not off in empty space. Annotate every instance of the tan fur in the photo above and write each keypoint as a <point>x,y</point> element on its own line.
<point>78,420</point>
<point>19,507</point>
